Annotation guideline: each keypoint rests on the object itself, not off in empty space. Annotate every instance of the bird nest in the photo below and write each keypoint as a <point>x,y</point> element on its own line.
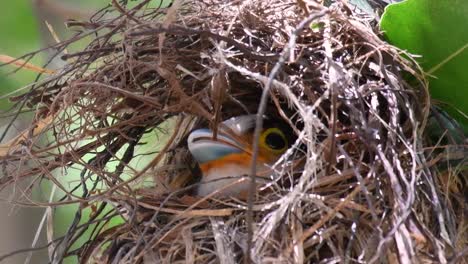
<point>355,186</point>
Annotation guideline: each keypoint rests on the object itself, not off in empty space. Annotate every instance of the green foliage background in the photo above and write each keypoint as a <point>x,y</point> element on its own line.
<point>20,31</point>
<point>19,35</point>
<point>438,32</point>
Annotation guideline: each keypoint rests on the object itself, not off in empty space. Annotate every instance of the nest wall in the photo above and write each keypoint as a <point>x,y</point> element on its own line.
<point>354,187</point>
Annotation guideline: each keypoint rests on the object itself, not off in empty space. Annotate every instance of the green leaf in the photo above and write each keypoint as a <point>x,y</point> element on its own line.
<point>438,31</point>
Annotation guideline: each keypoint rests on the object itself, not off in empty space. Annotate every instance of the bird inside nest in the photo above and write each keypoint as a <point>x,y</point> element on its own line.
<point>225,161</point>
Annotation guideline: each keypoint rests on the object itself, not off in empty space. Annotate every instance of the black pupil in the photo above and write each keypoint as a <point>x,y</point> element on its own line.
<point>275,141</point>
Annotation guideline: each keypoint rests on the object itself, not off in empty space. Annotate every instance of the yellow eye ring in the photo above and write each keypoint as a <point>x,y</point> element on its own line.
<point>274,140</point>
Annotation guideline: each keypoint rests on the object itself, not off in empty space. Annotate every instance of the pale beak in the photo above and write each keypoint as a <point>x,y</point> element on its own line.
<point>205,148</point>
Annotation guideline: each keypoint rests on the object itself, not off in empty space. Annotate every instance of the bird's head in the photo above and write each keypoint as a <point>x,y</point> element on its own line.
<point>226,158</point>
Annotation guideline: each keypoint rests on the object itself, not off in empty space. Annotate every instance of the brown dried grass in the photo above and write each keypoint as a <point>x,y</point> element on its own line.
<point>355,187</point>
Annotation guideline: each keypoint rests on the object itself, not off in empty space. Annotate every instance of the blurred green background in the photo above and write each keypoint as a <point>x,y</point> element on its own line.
<point>23,30</point>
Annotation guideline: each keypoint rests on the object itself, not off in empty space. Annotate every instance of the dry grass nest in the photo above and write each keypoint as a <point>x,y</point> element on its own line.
<point>358,185</point>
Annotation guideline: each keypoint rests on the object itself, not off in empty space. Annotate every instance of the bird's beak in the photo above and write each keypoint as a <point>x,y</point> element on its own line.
<point>205,148</point>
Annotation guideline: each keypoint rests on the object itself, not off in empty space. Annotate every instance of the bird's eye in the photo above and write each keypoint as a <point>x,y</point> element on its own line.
<point>274,140</point>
